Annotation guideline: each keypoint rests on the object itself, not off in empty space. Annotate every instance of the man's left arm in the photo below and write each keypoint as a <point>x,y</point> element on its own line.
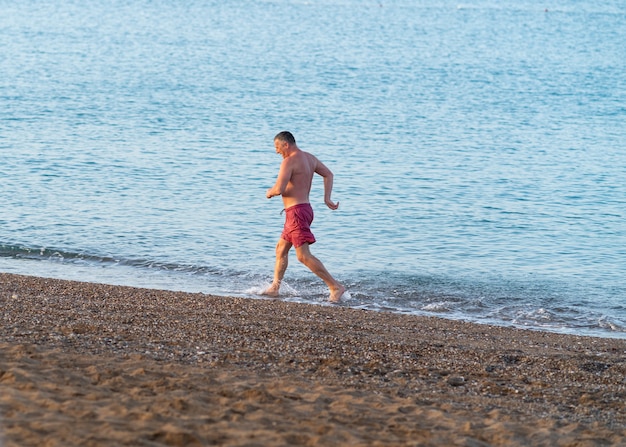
<point>328,176</point>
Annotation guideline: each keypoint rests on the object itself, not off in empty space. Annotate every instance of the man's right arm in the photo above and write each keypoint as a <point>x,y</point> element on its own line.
<point>284,174</point>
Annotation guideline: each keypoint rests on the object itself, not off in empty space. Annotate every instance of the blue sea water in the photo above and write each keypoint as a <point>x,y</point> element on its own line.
<point>478,150</point>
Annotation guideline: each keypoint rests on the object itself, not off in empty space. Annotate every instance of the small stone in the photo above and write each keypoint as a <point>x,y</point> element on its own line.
<point>456,381</point>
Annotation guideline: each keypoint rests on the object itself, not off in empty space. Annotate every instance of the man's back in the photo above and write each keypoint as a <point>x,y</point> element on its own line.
<point>301,166</point>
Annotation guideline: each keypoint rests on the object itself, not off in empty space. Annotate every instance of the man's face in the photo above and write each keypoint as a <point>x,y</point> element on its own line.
<point>280,147</point>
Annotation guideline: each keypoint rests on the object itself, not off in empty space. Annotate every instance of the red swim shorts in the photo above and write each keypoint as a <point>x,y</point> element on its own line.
<point>297,228</point>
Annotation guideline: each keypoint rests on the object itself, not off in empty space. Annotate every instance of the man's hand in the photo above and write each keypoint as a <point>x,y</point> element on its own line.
<point>269,194</point>
<point>330,204</point>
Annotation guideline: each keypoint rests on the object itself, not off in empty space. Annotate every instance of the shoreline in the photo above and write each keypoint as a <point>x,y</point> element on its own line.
<point>95,364</point>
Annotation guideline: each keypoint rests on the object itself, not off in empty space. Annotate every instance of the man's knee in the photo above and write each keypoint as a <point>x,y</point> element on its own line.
<point>282,248</point>
<point>303,257</point>
<point>303,254</point>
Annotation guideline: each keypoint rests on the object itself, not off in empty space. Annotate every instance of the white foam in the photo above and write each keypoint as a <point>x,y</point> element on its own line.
<point>441,306</point>
<point>258,289</point>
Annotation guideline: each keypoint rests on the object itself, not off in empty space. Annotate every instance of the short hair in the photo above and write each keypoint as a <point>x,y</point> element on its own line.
<point>286,137</point>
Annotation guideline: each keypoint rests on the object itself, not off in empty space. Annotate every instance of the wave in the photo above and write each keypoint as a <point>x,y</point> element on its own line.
<point>19,251</point>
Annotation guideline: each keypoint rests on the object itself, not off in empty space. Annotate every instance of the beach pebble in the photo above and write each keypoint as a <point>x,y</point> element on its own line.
<point>456,381</point>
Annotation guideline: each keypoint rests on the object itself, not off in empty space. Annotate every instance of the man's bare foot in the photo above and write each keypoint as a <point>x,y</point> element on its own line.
<point>271,291</point>
<point>336,294</point>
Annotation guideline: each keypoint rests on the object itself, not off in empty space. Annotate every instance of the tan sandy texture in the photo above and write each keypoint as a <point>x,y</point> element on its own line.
<point>97,365</point>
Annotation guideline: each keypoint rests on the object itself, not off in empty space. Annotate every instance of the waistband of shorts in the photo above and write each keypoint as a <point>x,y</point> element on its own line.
<point>299,205</point>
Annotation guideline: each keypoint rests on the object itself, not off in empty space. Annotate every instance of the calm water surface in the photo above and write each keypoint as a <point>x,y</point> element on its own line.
<point>478,150</point>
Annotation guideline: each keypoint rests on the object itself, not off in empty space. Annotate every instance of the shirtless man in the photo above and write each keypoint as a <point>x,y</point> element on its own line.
<point>294,184</point>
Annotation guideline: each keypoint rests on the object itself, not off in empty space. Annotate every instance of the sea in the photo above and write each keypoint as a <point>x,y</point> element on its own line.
<point>478,147</point>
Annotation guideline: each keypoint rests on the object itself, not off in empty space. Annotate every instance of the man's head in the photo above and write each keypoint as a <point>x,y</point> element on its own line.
<point>286,137</point>
<point>283,142</point>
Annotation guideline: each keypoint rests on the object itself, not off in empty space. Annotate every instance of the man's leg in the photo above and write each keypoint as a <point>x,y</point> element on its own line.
<point>315,265</point>
<point>282,260</point>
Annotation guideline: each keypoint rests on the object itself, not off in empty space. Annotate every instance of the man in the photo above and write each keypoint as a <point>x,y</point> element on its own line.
<point>294,184</point>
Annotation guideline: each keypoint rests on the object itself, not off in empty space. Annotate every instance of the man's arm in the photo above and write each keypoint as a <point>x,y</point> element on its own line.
<point>327,174</point>
<point>284,174</point>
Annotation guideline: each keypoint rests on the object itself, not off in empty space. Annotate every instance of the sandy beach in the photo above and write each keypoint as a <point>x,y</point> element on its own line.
<point>97,365</point>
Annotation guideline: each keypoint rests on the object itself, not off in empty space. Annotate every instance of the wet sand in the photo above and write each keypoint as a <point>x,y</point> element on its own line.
<point>96,365</point>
